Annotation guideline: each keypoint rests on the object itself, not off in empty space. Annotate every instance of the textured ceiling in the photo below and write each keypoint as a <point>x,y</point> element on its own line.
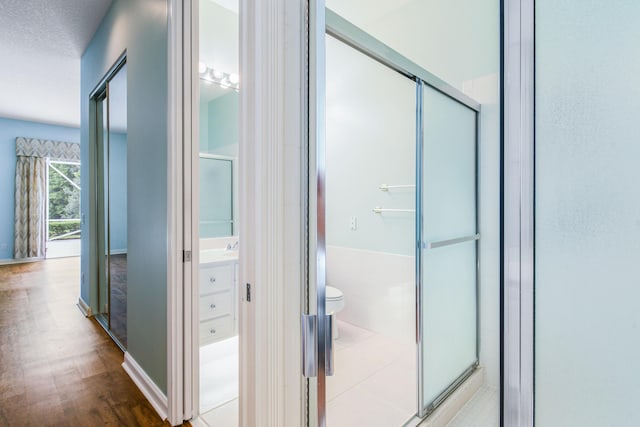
<point>41,42</point>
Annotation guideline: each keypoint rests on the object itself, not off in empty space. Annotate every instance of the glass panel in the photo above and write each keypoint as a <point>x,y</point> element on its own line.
<point>216,200</point>
<point>64,201</point>
<point>448,272</point>
<point>370,257</point>
<point>587,224</point>
<point>117,207</point>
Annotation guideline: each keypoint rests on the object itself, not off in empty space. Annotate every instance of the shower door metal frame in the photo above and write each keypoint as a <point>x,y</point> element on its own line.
<point>351,35</point>
<point>517,190</point>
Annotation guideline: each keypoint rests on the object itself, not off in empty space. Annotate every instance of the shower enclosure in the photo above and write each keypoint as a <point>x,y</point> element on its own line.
<point>442,126</point>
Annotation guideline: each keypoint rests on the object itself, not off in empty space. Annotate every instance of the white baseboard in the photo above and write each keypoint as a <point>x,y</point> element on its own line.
<point>19,260</point>
<point>154,395</point>
<point>84,308</point>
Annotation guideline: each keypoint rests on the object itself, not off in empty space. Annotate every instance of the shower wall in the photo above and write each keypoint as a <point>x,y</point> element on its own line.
<point>370,141</point>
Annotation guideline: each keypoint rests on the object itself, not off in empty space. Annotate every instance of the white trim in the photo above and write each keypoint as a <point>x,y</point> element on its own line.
<point>84,308</point>
<point>118,251</point>
<point>191,214</point>
<point>20,260</point>
<point>175,324</point>
<point>518,387</point>
<point>149,389</point>
<point>270,164</point>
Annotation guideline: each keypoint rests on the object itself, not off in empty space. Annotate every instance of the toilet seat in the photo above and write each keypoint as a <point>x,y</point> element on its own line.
<point>334,300</point>
<point>333,294</point>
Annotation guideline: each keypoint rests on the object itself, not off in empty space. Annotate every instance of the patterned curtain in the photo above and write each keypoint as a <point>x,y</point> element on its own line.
<point>31,192</point>
<point>30,209</point>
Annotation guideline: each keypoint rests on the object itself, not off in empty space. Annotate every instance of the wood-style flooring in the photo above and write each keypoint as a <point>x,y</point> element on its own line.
<point>58,368</point>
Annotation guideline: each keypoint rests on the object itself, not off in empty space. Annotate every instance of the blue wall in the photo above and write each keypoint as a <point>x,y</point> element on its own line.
<point>9,130</point>
<point>140,28</point>
<point>219,125</point>
<point>223,121</point>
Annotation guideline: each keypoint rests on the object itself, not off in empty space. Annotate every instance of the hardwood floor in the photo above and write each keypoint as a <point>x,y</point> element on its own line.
<point>58,368</point>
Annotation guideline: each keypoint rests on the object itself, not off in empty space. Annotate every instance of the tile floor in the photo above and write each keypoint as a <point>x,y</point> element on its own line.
<point>374,381</point>
<point>374,384</point>
<point>219,368</point>
<point>482,410</point>
<point>226,415</point>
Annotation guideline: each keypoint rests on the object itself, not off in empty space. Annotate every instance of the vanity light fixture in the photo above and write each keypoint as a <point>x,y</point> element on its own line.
<point>225,80</point>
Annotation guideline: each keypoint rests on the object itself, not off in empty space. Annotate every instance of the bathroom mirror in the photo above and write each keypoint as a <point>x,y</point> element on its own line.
<point>217,196</point>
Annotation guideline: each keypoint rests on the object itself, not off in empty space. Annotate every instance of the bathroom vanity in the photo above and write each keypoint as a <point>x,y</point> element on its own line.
<point>218,296</point>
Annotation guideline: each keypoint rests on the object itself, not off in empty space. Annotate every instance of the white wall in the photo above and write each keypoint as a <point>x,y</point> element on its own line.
<point>370,141</point>
<point>379,290</point>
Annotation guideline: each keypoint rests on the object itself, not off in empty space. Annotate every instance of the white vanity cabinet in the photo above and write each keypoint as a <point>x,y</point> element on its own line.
<point>218,300</point>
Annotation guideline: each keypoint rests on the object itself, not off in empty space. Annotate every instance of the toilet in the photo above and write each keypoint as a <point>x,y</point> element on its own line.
<point>334,300</point>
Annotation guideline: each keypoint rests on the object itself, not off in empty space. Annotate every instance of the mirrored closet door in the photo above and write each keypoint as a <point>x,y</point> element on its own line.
<point>110,102</point>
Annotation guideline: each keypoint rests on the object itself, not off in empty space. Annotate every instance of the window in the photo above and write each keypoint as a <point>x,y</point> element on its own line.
<point>63,195</point>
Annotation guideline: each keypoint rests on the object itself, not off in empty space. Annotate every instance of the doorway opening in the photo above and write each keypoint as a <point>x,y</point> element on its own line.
<point>63,209</point>
<point>407,266</point>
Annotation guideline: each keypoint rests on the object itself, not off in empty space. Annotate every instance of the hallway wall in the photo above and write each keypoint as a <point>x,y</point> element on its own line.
<point>140,28</point>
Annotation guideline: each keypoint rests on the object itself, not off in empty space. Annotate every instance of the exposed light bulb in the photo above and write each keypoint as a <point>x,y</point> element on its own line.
<point>234,78</point>
<point>218,74</point>
<point>202,67</point>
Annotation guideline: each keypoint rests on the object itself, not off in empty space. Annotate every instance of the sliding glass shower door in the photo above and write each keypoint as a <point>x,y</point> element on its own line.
<point>369,236</point>
<point>393,191</point>
<point>447,252</point>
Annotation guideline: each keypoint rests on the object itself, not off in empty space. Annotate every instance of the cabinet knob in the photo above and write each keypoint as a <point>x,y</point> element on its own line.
<point>212,306</point>
<point>212,331</point>
<point>212,279</point>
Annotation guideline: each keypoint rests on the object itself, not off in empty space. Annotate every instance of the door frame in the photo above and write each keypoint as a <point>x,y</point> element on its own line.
<point>175,244</point>
<point>518,213</point>
<point>270,193</point>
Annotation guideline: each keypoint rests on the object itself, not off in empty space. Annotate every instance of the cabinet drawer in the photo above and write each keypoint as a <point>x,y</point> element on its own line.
<point>216,278</point>
<point>215,305</point>
<point>216,329</point>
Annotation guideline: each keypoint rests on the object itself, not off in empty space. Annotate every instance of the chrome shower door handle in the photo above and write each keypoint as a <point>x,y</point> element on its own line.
<point>309,345</point>
<point>328,363</point>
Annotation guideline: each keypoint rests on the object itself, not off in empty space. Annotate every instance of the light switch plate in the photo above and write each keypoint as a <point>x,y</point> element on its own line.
<point>353,223</point>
